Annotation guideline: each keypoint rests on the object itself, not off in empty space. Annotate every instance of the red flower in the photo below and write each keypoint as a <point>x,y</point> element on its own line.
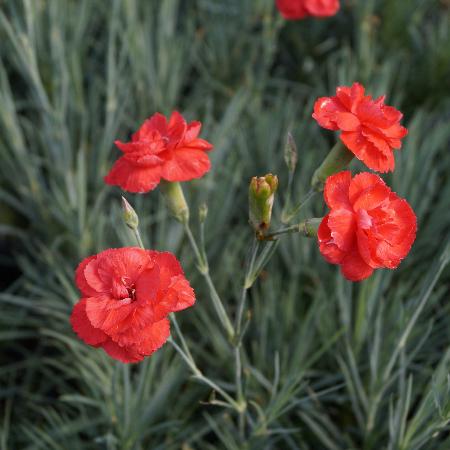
<point>369,227</point>
<point>126,296</point>
<point>298,9</point>
<point>160,150</point>
<point>370,129</point>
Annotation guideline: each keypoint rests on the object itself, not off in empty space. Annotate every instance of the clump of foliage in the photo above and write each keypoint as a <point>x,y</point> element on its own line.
<point>330,365</point>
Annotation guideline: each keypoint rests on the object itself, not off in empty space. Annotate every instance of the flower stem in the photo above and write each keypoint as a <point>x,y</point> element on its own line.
<point>286,216</point>
<point>187,357</point>
<point>180,335</point>
<point>137,235</point>
<point>239,391</point>
<point>218,389</point>
<point>203,267</point>
<point>249,268</point>
<point>306,228</point>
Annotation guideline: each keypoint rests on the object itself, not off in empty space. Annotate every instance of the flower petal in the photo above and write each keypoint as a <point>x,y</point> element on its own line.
<point>291,10</point>
<point>342,224</point>
<point>122,354</point>
<point>93,278</point>
<point>361,182</point>
<point>157,122</point>
<point>367,152</point>
<point>87,288</point>
<point>326,110</point>
<point>186,165</point>
<point>199,144</point>
<point>176,129</point>
<point>179,296</point>
<point>353,266</point>
<point>372,197</point>
<point>169,266</point>
<point>367,248</point>
<point>192,131</point>
<point>153,337</point>
<point>347,121</point>
<point>108,314</point>
<point>133,178</point>
<point>328,249</point>
<point>350,97</point>
<point>117,265</point>
<point>322,8</point>
<point>83,327</point>
<point>147,285</point>
<point>336,190</point>
<point>395,133</point>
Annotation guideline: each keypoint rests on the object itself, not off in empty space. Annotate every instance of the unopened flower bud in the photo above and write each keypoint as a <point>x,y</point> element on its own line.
<point>290,153</point>
<point>261,196</point>
<point>202,212</point>
<point>175,201</point>
<point>129,215</point>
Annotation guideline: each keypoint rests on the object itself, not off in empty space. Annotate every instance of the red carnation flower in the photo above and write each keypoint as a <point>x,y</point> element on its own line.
<point>298,9</point>
<point>126,296</point>
<point>159,150</point>
<point>370,129</point>
<point>369,227</point>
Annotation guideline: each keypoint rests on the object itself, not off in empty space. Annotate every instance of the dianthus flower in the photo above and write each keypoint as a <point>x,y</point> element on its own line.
<point>160,149</point>
<point>370,129</point>
<point>299,9</point>
<point>126,296</point>
<point>369,227</point>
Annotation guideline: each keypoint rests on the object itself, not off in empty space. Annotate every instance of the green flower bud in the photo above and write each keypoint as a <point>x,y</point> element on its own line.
<point>129,215</point>
<point>175,201</point>
<point>261,196</point>
<point>290,153</point>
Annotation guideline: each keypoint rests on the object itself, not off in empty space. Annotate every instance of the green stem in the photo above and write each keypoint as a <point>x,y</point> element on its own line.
<point>249,267</point>
<point>203,267</point>
<point>286,216</point>
<point>180,335</point>
<point>200,377</point>
<point>201,261</point>
<point>287,205</point>
<point>202,241</point>
<point>188,360</point>
<point>239,391</point>
<point>218,389</point>
<point>137,235</point>
<point>260,262</point>
<point>250,262</point>
<point>306,228</point>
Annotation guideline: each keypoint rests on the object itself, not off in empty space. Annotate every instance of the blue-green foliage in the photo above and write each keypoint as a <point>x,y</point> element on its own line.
<point>329,364</point>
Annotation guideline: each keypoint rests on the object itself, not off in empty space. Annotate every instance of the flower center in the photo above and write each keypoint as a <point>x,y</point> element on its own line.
<point>124,288</point>
<point>131,293</point>
<point>130,288</point>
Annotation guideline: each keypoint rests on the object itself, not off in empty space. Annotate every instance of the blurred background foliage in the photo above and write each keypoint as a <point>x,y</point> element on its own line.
<point>329,365</point>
